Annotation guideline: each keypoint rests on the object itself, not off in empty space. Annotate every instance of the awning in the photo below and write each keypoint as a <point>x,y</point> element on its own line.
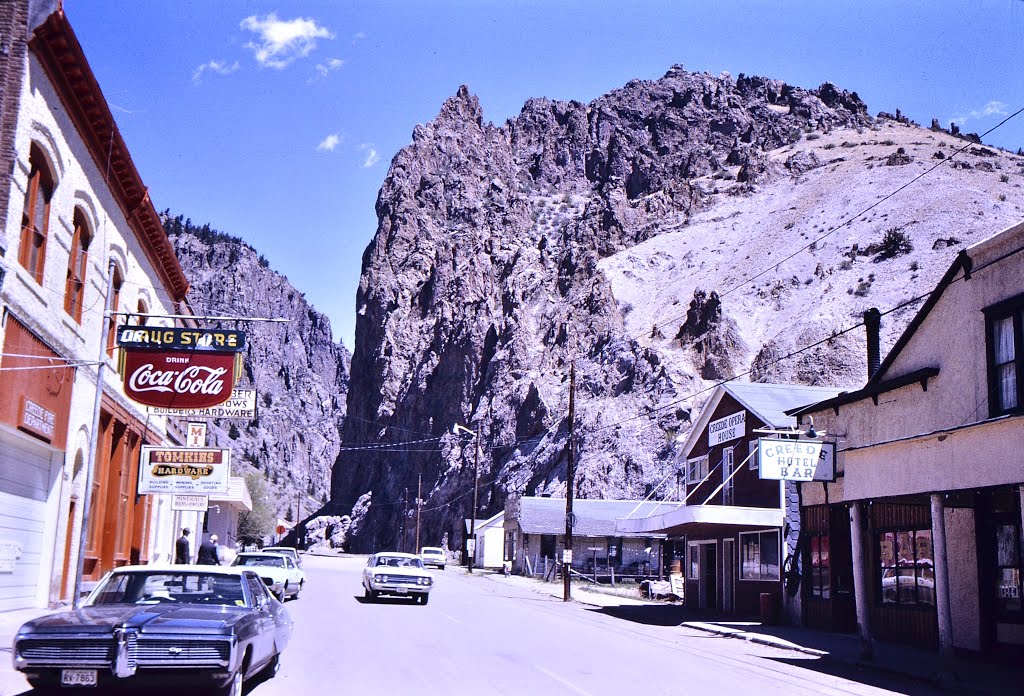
<point>699,519</point>
<point>237,496</point>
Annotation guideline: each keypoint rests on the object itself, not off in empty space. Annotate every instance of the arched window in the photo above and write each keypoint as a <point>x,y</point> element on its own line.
<point>114,306</point>
<point>74,289</point>
<point>143,309</point>
<point>35,216</point>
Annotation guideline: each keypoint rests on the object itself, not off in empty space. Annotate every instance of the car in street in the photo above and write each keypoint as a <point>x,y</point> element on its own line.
<point>180,627</point>
<point>398,575</point>
<point>287,578</point>
<point>285,550</point>
<point>433,556</point>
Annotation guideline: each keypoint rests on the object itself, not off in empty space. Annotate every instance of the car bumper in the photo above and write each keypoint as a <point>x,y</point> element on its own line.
<point>143,679</point>
<point>399,589</point>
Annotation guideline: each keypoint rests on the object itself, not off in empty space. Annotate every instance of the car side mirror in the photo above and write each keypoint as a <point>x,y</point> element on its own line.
<point>267,581</point>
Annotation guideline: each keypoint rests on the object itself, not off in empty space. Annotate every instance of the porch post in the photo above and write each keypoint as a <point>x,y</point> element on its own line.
<point>860,588</point>
<point>942,580</point>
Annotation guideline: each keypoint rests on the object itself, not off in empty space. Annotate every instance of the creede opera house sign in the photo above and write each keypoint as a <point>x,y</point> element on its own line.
<point>179,368</point>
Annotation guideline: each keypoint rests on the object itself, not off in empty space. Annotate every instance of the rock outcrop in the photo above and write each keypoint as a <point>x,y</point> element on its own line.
<point>299,373</point>
<point>578,233</point>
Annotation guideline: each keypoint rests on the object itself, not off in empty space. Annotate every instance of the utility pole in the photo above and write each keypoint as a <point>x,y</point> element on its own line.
<point>569,476</point>
<point>472,516</point>
<point>405,517</point>
<point>419,502</point>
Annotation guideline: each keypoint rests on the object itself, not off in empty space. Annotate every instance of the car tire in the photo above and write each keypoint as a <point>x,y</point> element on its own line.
<point>422,599</point>
<point>233,687</point>
<point>273,667</point>
<point>284,591</point>
<point>299,589</point>
<point>369,595</point>
<point>281,596</point>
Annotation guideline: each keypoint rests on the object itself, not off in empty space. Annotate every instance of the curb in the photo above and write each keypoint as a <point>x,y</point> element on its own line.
<point>754,638</point>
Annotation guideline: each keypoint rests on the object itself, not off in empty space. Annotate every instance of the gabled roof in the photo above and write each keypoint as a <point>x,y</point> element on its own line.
<point>483,523</point>
<point>769,402</point>
<point>57,48</point>
<point>593,517</point>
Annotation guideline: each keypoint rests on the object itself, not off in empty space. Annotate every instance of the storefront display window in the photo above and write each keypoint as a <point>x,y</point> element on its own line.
<point>759,556</point>
<point>907,567</point>
<point>1008,575</point>
<point>820,572</point>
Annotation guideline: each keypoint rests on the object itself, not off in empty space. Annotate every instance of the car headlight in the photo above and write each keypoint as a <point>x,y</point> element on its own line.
<point>382,578</point>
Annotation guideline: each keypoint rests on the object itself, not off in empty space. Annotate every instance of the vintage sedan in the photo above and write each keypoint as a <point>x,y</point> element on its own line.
<point>171,626</point>
<point>287,578</point>
<point>398,575</point>
<point>288,551</point>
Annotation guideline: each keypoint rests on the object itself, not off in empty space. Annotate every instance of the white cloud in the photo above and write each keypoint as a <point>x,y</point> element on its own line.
<point>215,66</point>
<point>358,37</point>
<point>372,157</point>
<point>329,143</point>
<point>283,41</point>
<point>326,68</point>
<point>993,108</point>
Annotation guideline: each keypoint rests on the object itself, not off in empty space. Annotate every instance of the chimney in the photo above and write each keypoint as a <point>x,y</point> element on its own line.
<point>873,324</point>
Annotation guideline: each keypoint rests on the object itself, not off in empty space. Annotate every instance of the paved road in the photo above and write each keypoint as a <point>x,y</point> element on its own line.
<point>482,635</point>
<point>491,635</point>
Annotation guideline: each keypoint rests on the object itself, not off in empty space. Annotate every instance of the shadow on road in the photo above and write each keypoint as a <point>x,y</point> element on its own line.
<point>863,675</point>
<point>411,601</point>
<point>650,615</point>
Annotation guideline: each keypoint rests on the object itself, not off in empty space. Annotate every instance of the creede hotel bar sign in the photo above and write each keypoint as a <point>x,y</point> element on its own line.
<point>179,368</point>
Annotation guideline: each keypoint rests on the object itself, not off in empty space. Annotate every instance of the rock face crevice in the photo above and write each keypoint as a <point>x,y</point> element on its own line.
<point>578,233</point>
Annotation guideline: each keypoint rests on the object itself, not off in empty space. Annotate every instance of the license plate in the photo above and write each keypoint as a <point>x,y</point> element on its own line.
<point>78,677</point>
<point>401,590</point>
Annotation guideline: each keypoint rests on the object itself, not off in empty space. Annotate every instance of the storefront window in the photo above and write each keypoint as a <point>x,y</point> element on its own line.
<point>1008,587</point>
<point>759,556</point>
<point>907,567</point>
<point>820,576</point>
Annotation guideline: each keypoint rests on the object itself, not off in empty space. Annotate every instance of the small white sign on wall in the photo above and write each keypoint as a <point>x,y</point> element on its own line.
<point>732,427</point>
<point>796,460</point>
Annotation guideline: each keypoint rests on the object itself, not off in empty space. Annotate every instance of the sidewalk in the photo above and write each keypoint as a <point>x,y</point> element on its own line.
<point>839,652</point>
<point>12,682</point>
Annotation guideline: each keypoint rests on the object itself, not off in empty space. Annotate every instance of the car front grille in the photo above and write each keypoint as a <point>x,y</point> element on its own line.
<point>67,651</point>
<point>402,580</point>
<point>169,652</point>
<point>141,652</point>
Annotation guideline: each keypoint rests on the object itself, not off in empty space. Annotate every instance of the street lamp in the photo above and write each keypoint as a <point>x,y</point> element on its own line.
<point>476,479</point>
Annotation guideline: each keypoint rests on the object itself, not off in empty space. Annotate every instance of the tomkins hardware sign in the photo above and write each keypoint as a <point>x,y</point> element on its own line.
<point>184,470</point>
<point>179,368</point>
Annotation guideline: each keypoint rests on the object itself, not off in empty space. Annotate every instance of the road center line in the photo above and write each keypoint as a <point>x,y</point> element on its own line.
<point>563,682</point>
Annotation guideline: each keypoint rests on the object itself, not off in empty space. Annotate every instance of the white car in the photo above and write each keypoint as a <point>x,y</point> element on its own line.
<point>398,575</point>
<point>288,578</point>
<point>433,556</point>
<point>286,551</point>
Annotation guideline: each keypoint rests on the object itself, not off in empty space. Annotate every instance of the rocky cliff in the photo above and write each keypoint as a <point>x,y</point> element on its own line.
<point>299,373</point>
<point>668,235</point>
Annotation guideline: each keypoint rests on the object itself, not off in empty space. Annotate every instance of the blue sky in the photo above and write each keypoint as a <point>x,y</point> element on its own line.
<point>276,121</point>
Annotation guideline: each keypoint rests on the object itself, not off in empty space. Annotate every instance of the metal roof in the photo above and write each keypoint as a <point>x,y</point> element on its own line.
<point>771,401</point>
<point>593,517</point>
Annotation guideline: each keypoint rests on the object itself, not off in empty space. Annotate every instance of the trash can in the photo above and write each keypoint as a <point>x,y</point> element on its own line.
<point>769,609</point>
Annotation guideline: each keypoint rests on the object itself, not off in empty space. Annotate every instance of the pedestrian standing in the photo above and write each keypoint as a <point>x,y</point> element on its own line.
<point>208,553</point>
<point>182,552</point>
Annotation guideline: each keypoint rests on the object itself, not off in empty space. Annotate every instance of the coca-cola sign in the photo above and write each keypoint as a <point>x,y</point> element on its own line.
<point>179,379</point>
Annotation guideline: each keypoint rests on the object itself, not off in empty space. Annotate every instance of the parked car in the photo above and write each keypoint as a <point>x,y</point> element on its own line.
<point>287,578</point>
<point>398,575</point>
<point>433,556</point>
<point>181,626</point>
<point>287,551</point>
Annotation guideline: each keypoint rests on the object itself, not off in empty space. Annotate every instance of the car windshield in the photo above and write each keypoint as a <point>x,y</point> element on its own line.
<point>158,588</point>
<point>266,561</point>
<point>399,562</point>
<point>433,552</point>
<point>280,550</point>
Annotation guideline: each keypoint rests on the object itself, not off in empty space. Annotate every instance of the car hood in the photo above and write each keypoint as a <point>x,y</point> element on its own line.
<point>276,574</point>
<point>161,618</point>
<point>388,570</point>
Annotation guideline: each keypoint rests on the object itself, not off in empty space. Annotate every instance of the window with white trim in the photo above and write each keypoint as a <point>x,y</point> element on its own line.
<point>728,497</point>
<point>697,469</point>
<point>759,555</point>
<point>1005,331</point>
